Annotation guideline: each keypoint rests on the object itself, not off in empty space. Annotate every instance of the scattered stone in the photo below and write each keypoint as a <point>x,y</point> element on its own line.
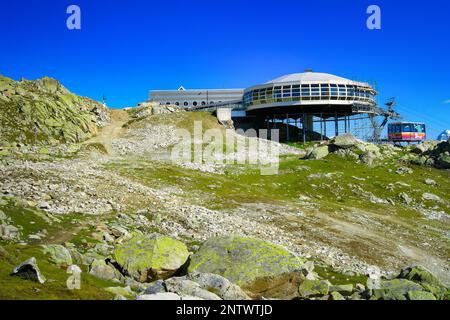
<point>58,254</point>
<point>430,182</point>
<point>404,170</point>
<point>406,199</point>
<point>29,270</point>
<point>9,232</point>
<point>431,197</point>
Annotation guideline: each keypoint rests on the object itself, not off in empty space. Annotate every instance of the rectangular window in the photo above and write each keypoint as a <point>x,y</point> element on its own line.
<point>406,127</point>
<point>286,91</point>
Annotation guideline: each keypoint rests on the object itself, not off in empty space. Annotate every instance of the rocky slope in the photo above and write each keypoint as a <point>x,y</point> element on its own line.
<point>45,112</point>
<point>338,221</point>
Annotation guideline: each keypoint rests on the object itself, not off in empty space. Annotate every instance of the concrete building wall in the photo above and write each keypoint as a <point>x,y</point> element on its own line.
<point>193,98</point>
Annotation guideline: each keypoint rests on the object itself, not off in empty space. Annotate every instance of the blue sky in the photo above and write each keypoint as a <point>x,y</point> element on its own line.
<point>126,48</point>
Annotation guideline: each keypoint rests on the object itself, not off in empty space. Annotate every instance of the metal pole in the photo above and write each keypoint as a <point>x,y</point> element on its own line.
<point>336,125</point>
<point>321,126</point>
<point>304,128</point>
<point>287,127</point>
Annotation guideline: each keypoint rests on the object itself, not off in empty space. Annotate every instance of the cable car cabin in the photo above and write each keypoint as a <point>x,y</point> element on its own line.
<point>406,132</point>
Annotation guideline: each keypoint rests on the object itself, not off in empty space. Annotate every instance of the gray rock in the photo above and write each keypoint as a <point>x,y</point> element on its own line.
<point>430,182</point>
<point>318,153</point>
<point>218,285</point>
<point>9,231</point>
<point>43,205</point>
<point>58,254</point>
<point>185,287</point>
<point>159,296</point>
<point>100,269</point>
<point>406,198</point>
<point>29,270</point>
<point>344,141</point>
<point>431,197</point>
<point>156,287</point>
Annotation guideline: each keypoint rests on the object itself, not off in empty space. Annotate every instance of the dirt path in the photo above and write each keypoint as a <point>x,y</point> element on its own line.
<point>113,130</point>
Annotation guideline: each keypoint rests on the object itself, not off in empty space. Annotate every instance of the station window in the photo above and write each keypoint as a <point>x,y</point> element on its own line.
<point>177,103</point>
<point>186,103</point>
<point>203,103</point>
<point>194,103</point>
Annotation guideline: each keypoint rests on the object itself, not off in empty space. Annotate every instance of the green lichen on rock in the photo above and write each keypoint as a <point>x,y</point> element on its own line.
<point>420,295</point>
<point>45,112</point>
<point>313,288</point>
<point>252,264</point>
<point>396,289</point>
<point>148,258</point>
<point>58,254</point>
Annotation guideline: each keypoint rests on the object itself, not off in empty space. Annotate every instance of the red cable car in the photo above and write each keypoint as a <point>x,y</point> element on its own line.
<point>407,132</point>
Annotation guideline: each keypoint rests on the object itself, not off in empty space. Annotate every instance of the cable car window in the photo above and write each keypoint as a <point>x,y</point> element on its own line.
<point>406,128</point>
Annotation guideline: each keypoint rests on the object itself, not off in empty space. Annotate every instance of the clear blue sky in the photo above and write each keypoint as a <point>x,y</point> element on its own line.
<point>126,48</point>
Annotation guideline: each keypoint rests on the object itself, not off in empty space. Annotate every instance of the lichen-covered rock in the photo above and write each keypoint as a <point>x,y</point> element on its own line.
<point>396,289</point>
<point>102,270</point>
<point>43,111</point>
<point>420,295</point>
<point>345,289</point>
<point>344,141</point>
<point>313,288</point>
<point>148,258</point>
<point>427,280</point>
<point>58,254</point>
<point>318,153</point>
<point>258,267</point>
<point>122,291</point>
<point>185,287</point>
<point>29,270</point>
<point>337,296</point>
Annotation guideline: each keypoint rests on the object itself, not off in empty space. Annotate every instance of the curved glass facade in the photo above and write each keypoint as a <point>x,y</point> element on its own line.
<point>309,92</point>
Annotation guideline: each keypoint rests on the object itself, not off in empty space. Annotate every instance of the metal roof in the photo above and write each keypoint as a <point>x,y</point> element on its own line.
<point>307,76</point>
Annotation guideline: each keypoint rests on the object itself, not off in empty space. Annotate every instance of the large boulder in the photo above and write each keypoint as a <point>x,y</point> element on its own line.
<point>427,280</point>
<point>58,254</point>
<point>317,153</point>
<point>148,258</point>
<point>258,267</point>
<point>102,270</point>
<point>29,270</point>
<point>344,141</point>
<point>396,289</point>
